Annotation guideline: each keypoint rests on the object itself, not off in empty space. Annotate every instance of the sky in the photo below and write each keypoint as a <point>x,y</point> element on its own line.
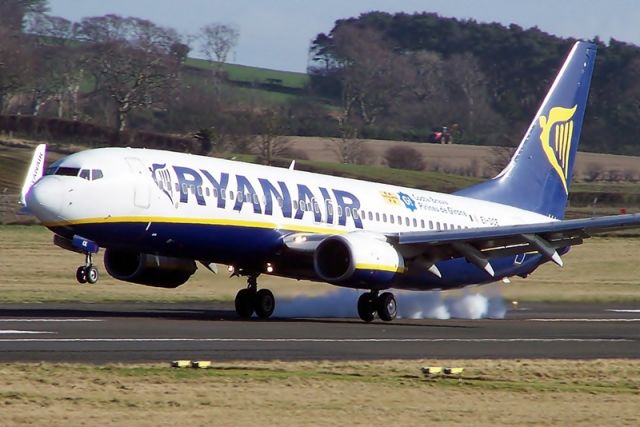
<point>277,33</point>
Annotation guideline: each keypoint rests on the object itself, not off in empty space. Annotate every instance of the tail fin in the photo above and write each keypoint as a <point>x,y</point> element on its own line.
<point>36,169</point>
<point>539,174</point>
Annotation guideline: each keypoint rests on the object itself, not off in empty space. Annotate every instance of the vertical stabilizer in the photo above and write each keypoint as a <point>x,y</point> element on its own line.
<point>36,169</point>
<point>539,175</point>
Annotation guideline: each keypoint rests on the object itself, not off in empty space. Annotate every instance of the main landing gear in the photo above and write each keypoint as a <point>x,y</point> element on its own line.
<point>371,303</point>
<point>250,300</point>
<point>87,273</point>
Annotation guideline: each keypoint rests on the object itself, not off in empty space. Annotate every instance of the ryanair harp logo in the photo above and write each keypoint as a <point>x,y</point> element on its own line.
<point>555,136</point>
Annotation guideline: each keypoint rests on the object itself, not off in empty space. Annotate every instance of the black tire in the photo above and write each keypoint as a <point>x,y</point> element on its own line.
<point>265,303</point>
<point>244,303</point>
<point>81,275</point>
<point>366,309</point>
<point>387,307</point>
<point>91,274</point>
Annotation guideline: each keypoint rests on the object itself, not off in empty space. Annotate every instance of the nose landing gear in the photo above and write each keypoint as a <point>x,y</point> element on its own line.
<point>371,303</point>
<point>87,273</point>
<point>250,300</point>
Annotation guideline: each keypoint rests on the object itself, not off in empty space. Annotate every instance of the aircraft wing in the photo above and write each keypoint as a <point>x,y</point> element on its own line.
<point>480,244</point>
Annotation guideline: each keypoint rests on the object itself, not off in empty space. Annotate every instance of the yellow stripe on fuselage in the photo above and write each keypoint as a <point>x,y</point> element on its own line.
<point>378,267</point>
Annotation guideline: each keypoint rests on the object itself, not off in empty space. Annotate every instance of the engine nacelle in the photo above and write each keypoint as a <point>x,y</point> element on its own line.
<point>146,269</point>
<point>357,260</point>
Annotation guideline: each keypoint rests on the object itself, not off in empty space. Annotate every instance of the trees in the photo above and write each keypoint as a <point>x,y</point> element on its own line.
<point>134,61</point>
<point>216,41</point>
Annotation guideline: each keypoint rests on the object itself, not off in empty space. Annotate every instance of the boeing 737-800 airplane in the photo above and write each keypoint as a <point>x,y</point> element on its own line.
<point>157,213</point>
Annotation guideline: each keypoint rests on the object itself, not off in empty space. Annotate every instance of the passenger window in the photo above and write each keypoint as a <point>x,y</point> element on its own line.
<point>378,216</point>
<point>406,221</point>
<point>199,190</point>
<point>430,225</point>
<point>185,188</point>
<point>295,205</point>
<point>340,211</point>
<point>96,174</point>
<point>208,191</point>
<point>384,217</point>
<point>438,225</point>
<point>422,223</point>
<point>415,223</point>
<point>215,193</point>
<point>347,212</point>
<point>370,216</point>
<point>392,219</point>
<point>230,195</point>
<point>355,214</point>
<point>280,202</point>
<point>85,174</point>
<point>255,199</point>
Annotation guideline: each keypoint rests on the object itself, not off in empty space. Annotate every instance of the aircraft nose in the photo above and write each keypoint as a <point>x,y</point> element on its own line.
<point>45,199</point>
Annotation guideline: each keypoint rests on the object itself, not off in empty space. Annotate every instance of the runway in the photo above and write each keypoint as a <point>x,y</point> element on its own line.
<point>103,333</point>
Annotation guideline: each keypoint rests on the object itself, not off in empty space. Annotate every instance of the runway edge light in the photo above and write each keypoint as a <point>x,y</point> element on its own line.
<point>430,371</point>
<point>181,364</point>
<point>453,371</point>
<point>201,364</point>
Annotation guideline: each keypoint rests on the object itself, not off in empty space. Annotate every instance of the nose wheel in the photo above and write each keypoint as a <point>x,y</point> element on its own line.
<point>251,300</point>
<point>371,303</point>
<point>87,273</point>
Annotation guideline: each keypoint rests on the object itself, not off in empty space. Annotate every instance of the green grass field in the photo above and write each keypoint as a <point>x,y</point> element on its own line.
<point>243,73</point>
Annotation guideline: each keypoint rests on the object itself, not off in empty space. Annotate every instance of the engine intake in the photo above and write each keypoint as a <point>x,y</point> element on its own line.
<point>147,269</point>
<point>357,260</point>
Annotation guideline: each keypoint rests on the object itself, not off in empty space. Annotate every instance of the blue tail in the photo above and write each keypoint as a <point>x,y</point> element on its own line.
<point>539,174</point>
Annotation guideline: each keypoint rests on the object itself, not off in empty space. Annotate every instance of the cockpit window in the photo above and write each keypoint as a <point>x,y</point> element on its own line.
<point>67,171</point>
<point>86,174</point>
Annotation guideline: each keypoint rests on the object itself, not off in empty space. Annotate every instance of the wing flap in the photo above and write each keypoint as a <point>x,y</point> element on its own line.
<point>480,244</point>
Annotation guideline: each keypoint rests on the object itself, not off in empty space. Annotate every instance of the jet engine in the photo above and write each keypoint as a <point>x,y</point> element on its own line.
<point>147,269</point>
<point>358,260</point>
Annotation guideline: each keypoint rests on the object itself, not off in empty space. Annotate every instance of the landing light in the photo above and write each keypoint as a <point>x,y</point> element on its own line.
<point>231,269</point>
<point>269,268</point>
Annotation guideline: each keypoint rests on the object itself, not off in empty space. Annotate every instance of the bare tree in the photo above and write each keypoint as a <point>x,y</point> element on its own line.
<point>270,142</point>
<point>135,61</point>
<point>216,41</point>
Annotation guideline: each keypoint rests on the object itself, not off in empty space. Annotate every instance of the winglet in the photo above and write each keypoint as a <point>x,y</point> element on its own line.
<point>292,165</point>
<point>35,172</point>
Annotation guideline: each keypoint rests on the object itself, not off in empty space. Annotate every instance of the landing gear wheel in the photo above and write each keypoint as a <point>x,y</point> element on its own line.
<point>387,307</point>
<point>81,274</point>
<point>244,303</point>
<point>265,303</point>
<point>366,309</point>
<point>91,274</point>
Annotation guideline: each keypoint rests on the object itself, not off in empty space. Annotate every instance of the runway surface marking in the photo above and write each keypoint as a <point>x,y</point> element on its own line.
<point>50,320</point>
<point>623,310</point>
<point>317,340</point>
<point>13,331</point>
<point>619,319</point>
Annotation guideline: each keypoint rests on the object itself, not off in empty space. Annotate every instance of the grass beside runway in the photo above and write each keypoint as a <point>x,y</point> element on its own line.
<point>489,393</point>
<point>32,269</point>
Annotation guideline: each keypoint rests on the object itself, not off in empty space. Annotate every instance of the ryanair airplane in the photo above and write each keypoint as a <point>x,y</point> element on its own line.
<point>159,213</point>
